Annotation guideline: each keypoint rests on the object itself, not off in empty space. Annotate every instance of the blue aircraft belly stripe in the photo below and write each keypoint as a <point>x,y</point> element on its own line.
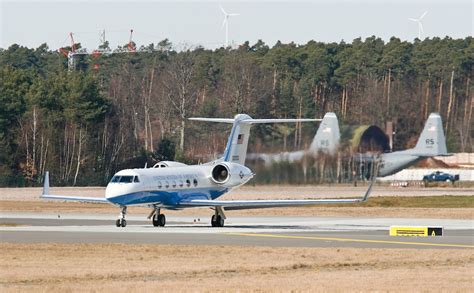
<point>167,197</point>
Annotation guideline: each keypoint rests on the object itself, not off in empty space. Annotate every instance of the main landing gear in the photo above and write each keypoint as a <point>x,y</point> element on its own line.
<point>158,219</point>
<point>218,218</point>
<point>121,222</point>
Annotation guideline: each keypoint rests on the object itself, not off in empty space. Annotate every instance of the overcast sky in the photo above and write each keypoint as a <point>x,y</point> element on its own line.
<point>31,23</point>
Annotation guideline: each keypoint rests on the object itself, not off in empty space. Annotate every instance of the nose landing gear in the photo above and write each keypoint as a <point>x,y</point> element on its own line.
<point>121,222</point>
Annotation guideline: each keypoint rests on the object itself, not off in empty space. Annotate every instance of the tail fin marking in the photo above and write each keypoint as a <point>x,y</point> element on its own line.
<point>432,140</point>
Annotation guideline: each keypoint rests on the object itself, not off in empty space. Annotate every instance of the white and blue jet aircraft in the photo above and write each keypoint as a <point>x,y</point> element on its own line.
<point>175,186</point>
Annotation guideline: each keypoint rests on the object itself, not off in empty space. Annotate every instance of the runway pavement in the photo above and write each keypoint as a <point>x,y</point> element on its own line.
<point>246,231</point>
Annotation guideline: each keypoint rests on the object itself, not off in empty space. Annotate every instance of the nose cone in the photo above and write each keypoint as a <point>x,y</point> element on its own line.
<point>114,190</point>
<point>108,191</point>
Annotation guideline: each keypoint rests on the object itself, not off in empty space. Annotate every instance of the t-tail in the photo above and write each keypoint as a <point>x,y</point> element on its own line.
<point>328,136</point>
<point>432,141</point>
<point>236,148</point>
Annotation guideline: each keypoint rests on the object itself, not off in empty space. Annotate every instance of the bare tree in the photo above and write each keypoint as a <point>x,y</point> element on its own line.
<point>179,87</point>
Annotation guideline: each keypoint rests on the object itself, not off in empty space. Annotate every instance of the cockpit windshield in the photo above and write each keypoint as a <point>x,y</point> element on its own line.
<point>126,179</point>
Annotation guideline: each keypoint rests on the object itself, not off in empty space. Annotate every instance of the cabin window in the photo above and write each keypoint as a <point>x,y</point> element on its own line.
<point>188,182</point>
<point>115,179</point>
<point>167,184</point>
<point>195,182</point>
<point>174,184</point>
<point>136,180</point>
<point>159,185</point>
<point>126,179</point>
<point>181,183</point>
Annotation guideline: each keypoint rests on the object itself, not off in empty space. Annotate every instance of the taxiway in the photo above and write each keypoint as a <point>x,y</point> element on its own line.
<point>244,231</point>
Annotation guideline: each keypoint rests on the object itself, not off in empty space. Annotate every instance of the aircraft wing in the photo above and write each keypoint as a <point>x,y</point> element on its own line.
<point>259,204</point>
<point>46,194</point>
<point>75,198</point>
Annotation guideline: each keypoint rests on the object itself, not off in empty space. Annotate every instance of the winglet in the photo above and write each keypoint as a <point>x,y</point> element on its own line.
<point>46,183</point>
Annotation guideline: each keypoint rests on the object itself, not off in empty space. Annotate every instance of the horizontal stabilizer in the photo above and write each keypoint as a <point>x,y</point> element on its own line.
<point>221,120</point>
<point>252,121</point>
<point>258,121</point>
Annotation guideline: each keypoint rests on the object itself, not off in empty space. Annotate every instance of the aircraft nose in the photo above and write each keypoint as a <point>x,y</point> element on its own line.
<point>108,191</point>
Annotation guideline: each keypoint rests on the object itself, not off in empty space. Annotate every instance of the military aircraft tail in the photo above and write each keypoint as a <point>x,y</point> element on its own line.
<point>327,137</point>
<point>432,141</point>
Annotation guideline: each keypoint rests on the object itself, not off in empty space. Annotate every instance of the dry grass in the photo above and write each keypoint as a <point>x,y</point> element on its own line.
<point>123,268</point>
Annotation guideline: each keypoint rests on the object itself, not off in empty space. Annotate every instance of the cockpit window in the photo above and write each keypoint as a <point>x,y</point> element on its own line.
<point>115,179</point>
<point>126,179</point>
<point>136,180</point>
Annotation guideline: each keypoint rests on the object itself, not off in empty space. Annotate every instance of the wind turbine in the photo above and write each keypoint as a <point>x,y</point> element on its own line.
<point>420,25</point>
<point>226,24</point>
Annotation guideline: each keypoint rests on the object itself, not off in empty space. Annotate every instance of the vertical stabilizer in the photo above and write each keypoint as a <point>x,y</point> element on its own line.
<point>327,137</point>
<point>432,140</point>
<point>236,148</point>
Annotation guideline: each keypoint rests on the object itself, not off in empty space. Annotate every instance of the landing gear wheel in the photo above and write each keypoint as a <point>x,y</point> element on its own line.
<point>161,220</point>
<point>213,221</point>
<point>219,221</point>
<point>154,220</point>
<point>121,223</point>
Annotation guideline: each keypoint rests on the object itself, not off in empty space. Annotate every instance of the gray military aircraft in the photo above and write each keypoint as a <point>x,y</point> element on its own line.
<point>431,143</point>
<point>326,141</point>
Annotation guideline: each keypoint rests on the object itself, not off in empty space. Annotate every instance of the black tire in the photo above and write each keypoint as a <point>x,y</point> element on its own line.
<point>154,220</point>
<point>213,221</point>
<point>161,220</point>
<point>123,223</point>
<point>219,221</point>
<point>117,223</point>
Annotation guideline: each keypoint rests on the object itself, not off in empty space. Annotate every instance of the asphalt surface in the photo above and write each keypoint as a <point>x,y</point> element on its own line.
<point>242,231</point>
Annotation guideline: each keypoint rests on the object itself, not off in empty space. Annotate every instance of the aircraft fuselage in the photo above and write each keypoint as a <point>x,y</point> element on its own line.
<point>168,186</point>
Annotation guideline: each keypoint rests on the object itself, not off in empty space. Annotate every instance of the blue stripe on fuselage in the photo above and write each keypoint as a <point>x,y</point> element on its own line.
<point>167,197</point>
<point>229,143</point>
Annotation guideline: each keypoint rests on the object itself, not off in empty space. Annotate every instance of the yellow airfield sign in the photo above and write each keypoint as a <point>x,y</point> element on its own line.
<point>415,231</point>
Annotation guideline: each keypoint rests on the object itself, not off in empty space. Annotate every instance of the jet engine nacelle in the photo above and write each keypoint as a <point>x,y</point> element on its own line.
<point>230,174</point>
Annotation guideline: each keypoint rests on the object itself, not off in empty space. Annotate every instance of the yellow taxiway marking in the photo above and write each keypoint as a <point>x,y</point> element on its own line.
<point>351,240</point>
